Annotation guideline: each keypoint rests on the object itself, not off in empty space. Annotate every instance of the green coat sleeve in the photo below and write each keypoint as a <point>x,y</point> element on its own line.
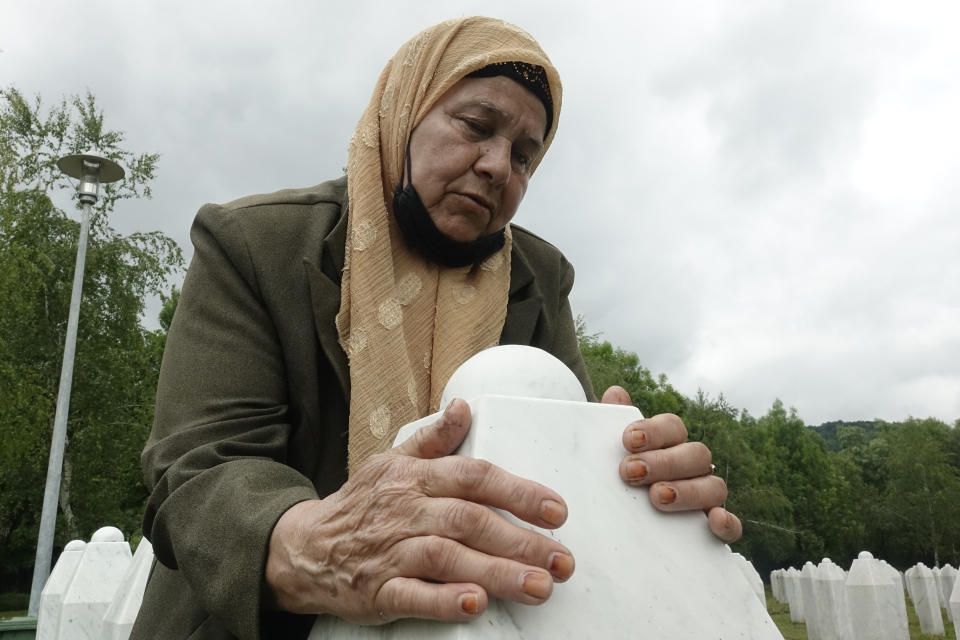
<point>215,460</point>
<point>566,347</point>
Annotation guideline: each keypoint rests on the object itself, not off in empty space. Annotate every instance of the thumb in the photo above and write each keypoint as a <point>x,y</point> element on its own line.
<point>442,437</point>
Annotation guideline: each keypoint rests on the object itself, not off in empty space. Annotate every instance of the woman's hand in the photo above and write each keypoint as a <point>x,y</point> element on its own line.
<point>678,472</point>
<point>409,536</point>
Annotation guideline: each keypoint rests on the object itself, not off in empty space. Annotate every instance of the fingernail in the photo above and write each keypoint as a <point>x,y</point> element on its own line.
<point>636,471</point>
<point>638,439</point>
<point>561,565</point>
<point>537,585</point>
<point>667,494</point>
<point>553,512</point>
<point>469,603</point>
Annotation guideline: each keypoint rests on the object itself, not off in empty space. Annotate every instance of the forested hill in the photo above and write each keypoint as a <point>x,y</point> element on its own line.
<point>830,431</point>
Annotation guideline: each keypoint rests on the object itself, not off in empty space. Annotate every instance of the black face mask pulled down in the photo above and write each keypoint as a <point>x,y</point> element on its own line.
<point>423,236</point>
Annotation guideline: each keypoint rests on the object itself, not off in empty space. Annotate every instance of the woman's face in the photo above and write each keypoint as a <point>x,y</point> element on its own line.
<point>471,154</point>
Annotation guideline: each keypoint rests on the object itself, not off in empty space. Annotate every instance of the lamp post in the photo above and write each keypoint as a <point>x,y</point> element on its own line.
<point>91,170</point>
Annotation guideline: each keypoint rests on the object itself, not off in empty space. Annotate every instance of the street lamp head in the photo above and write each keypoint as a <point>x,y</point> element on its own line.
<point>91,170</point>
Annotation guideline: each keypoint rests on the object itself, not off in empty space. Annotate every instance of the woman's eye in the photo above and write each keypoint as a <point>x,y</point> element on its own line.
<point>522,160</point>
<point>475,127</point>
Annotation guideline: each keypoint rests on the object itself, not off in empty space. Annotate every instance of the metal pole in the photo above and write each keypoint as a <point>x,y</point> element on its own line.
<point>91,170</point>
<point>48,517</point>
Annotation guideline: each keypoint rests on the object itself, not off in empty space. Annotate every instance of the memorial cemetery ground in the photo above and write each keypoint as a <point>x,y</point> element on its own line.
<point>780,613</point>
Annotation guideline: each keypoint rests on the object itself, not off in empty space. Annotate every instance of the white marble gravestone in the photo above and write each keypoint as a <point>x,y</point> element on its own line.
<point>811,612</point>
<point>750,573</point>
<point>776,586</point>
<point>896,597</point>
<point>948,577</point>
<point>122,612</point>
<point>104,562</point>
<point>925,599</point>
<point>640,573</point>
<point>828,589</point>
<point>51,598</point>
<point>794,595</point>
<point>869,603</point>
<point>954,602</point>
<point>908,582</point>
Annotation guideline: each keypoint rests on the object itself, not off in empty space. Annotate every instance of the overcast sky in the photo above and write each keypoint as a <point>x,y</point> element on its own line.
<point>760,197</point>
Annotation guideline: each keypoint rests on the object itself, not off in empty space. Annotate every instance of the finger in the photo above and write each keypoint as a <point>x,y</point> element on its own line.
<point>442,437</point>
<point>616,395</point>
<point>663,430</point>
<point>444,560</point>
<point>481,529</point>
<point>686,460</point>
<point>413,598</point>
<point>682,495</point>
<point>483,482</point>
<point>724,524</point>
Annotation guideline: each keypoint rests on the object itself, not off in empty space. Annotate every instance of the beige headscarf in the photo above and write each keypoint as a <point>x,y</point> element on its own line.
<point>405,323</point>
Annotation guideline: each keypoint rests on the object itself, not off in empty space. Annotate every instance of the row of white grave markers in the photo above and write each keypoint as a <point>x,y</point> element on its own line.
<point>868,601</point>
<point>95,589</point>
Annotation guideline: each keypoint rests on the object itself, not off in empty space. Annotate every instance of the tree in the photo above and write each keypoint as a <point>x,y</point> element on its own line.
<point>921,491</point>
<point>609,366</point>
<point>116,361</point>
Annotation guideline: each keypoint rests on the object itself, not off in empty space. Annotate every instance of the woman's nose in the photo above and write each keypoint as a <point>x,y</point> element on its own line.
<point>494,161</point>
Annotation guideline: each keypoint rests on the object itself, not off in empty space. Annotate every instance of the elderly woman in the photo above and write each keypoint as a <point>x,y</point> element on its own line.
<point>314,323</point>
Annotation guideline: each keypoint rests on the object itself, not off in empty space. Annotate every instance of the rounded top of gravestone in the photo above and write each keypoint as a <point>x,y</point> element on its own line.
<point>75,545</point>
<point>865,555</point>
<point>107,534</point>
<point>513,370</point>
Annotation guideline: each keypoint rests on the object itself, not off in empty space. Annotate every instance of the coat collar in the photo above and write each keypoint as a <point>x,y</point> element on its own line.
<point>524,307</point>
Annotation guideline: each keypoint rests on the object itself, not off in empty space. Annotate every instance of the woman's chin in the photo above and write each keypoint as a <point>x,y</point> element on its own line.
<point>458,229</point>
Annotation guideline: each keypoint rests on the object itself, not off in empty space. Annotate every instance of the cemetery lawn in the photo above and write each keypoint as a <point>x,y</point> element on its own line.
<point>6,615</point>
<point>798,631</point>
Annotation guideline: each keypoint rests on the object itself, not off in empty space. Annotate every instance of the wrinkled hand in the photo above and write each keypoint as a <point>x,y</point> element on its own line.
<point>409,536</point>
<point>678,472</point>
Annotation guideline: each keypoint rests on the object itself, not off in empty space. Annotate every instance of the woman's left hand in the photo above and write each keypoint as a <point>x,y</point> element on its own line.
<point>678,472</point>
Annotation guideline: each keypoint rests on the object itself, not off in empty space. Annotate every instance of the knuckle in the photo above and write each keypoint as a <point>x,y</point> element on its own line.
<point>661,465</point>
<point>472,473</point>
<point>676,424</point>
<point>528,548</point>
<point>702,451</point>
<point>460,519</point>
<point>436,555</point>
<point>721,488</point>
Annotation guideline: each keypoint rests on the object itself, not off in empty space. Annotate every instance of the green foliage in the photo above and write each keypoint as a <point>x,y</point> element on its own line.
<point>806,493</point>
<point>117,360</point>
<point>609,366</point>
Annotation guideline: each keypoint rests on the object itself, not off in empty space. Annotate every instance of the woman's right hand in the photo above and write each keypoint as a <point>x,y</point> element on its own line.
<point>408,536</point>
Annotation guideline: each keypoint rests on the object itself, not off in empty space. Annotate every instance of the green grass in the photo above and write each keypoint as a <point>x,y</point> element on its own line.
<point>798,631</point>
<point>6,615</point>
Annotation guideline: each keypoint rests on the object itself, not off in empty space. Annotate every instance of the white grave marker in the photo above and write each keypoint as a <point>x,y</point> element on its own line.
<point>831,602</point>
<point>104,562</point>
<point>120,616</point>
<point>925,599</point>
<point>948,577</point>
<point>794,595</point>
<point>639,573</point>
<point>871,611</point>
<point>51,598</point>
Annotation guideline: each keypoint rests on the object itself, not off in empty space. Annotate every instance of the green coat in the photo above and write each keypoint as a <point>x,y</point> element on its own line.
<point>252,404</point>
